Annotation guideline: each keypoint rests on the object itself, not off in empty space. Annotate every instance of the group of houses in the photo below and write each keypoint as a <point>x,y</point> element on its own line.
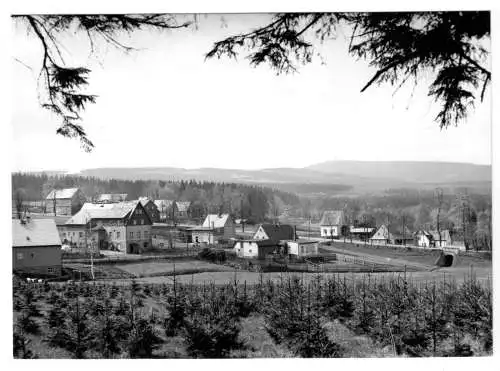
<point>271,239</point>
<point>111,222</point>
<point>68,201</point>
<point>334,225</point>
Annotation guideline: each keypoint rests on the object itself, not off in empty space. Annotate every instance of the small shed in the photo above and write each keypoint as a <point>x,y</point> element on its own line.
<point>256,249</point>
<point>302,248</point>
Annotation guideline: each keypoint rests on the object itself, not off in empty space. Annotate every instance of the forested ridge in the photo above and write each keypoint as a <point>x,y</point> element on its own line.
<point>240,200</point>
<point>460,210</point>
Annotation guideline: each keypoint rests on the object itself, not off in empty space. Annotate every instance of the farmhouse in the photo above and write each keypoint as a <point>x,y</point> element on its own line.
<point>275,232</point>
<point>302,248</point>
<point>258,249</point>
<point>432,238</point>
<point>395,237</point>
<point>331,223</point>
<point>150,208</point>
<point>127,225</point>
<point>111,197</point>
<point>66,201</point>
<point>36,247</point>
<point>217,228</point>
<point>166,209</point>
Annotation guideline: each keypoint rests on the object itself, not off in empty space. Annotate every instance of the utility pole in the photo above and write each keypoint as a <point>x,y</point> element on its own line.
<point>439,196</point>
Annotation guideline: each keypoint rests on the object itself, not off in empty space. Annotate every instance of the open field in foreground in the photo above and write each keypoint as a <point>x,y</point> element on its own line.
<point>179,267</point>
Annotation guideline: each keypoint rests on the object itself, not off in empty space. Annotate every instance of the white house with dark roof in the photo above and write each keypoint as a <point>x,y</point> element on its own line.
<point>66,201</point>
<point>36,247</point>
<point>331,223</point>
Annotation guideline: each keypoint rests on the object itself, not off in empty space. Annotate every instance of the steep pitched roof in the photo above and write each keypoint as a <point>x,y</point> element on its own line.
<point>163,204</point>
<point>145,200</point>
<point>183,206</point>
<point>62,193</point>
<point>102,211</point>
<point>35,232</point>
<point>278,232</point>
<point>332,217</point>
<point>112,197</point>
<point>215,221</point>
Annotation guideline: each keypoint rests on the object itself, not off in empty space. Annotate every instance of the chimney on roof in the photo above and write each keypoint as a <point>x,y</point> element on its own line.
<point>295,233</point>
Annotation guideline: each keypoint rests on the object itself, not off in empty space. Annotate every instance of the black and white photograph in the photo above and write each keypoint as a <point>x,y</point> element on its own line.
<point>266,184</point>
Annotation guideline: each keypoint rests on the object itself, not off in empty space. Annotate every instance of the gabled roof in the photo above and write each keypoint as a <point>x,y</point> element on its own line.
<point>112,197</point>
<point>89,211</point>
<point>332,217</point>
<point>145,200</point>
<point>183,205</point>
<point>62,193</point>
<point>163,204</point>
<point>35,232</point>
<point>215,221</point>
<point>278,232</point>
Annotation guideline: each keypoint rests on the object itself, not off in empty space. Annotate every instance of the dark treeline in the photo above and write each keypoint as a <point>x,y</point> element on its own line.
<point>249,201</point>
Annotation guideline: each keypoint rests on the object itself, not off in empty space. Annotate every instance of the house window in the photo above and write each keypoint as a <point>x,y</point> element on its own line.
<point>138,234</point>
<point>50,270</point>
<point>131,234</point>
<point>80,234</point>
<point>117,235</point>
<point>250,250</point>
<point>20,256</point>
<point>142,221</point>
<point>134,222</point>
<point>32,255</point>
<point>64,234</point>
<point>145,234</point>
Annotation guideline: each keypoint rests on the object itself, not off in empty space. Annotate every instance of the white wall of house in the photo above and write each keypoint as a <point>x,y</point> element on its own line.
<point>246,249</point>
<point>330,231</point>
<point>423,240</point>
<point>203,237</point>
<point>302,249</point>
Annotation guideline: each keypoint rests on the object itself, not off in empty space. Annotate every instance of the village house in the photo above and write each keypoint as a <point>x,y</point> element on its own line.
<point>127,226</point>
<point>302,248</point>
<point>36,247</point>
<point>66,201</point>
<point>424,238</point>
<point>111,197</point>
<point>257,249</point>
<point>393,237</point>
<point>216,229</point>
<point>331,223</point>
<point>182,210</point>
<point>275,232</point>
<point>166,209</point>
<point>150,208</point>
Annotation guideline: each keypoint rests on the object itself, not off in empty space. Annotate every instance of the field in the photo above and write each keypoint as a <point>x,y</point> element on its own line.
<point>289,316</point>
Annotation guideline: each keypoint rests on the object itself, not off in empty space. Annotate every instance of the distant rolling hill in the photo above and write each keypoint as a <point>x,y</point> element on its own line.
<point>417,172</point>
<point>328,178</point>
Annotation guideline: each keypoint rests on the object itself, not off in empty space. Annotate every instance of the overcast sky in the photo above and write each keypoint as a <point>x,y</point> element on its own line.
<point>166,106</point>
